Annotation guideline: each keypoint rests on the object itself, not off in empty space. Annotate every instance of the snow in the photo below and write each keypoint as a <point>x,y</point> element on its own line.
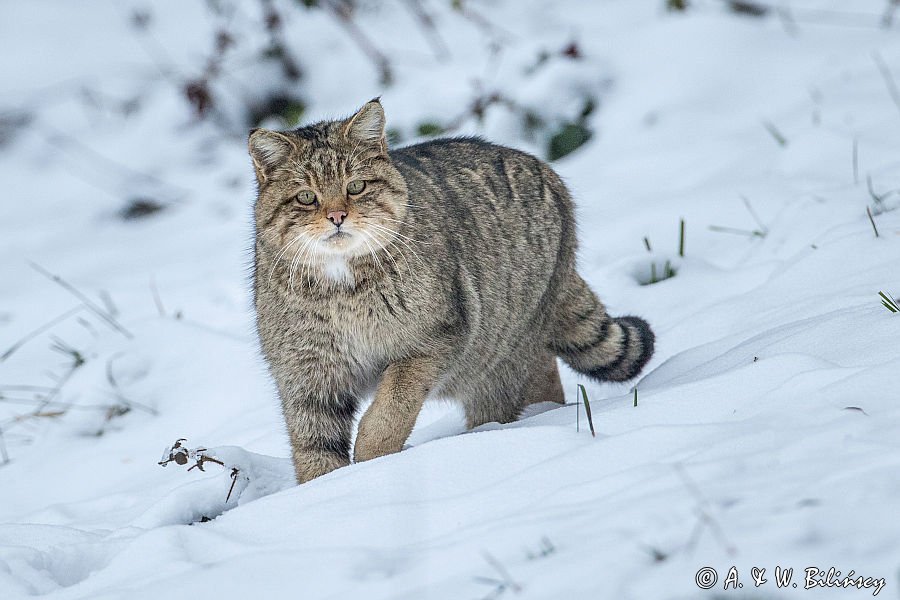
<point>765,432</point>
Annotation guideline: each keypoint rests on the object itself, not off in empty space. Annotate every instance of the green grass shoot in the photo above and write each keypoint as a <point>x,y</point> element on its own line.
<point>889,303</point>
<point>587,409</point>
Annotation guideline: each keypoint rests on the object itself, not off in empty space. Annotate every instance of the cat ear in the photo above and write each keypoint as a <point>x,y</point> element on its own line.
<point>268,149</point>
<point>367,125</point>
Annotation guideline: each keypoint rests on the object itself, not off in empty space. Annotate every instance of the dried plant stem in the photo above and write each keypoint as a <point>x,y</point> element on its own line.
<point>38,331</point>
<point>156,298</point>
<point>103,314</point>
<point>872,220</point>
<point>3,453</point>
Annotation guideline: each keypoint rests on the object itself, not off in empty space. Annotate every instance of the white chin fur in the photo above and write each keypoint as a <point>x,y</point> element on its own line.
<point>338,270</point>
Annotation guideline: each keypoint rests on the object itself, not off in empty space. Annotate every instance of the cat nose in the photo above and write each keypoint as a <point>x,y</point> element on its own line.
<point>337,217</point>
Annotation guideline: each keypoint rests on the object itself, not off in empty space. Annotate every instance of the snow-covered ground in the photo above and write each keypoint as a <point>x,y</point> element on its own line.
<point>766,428</point>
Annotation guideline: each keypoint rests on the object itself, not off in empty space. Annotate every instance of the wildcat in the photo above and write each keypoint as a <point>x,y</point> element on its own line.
<point>444,268</point>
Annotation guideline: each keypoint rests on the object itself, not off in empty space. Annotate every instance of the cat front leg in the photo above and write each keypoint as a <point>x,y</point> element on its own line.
<point>319,427</point>
<point>398,399</point>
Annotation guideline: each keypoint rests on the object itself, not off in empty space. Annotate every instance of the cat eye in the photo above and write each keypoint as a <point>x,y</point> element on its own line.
<point>356,187</point>
<point>306,197</point>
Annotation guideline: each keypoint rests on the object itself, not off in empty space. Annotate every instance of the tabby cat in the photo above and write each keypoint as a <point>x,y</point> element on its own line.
<point>446,269</point>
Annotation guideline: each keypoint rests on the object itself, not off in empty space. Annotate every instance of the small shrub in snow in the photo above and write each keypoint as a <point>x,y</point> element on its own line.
<point>182,455</point>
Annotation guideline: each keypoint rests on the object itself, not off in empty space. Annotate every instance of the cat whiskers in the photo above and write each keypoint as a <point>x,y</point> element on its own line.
<point>371,249</point>
<point>387,252</point>
<point>400,235</point>
<point>394,236</point>
<point>281,253</point>
<point>297,256</point>
<point>396,221</point>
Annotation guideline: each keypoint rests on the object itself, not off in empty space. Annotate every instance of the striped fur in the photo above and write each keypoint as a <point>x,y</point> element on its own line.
<point>597,345</point>
<point>457,279</point>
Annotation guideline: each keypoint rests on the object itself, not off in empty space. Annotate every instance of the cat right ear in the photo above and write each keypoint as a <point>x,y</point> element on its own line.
<point>268,149</point>
<point>367,125</point>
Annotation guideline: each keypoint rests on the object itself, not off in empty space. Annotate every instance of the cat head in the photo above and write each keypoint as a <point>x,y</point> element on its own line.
<point>327,189</point>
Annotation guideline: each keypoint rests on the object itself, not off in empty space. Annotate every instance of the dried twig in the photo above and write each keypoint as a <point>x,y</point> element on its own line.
<point>234,477</point>
<point>49,398</point>
<point>182,455</point>
<point>480,21</point>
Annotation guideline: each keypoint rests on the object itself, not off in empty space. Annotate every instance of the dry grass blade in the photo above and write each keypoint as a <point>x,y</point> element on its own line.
<point>736,231</point>
<point>704,513</point>
<point>156,298</point>
<point>4,455</point>
<point>888,78</point>
<point>506,582</point>
<point>775,133</point>
<point>872,220</point>
<point>38,331</point>
<point>92,306</point>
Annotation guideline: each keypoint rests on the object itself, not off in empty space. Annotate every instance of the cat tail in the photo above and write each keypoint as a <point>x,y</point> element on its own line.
<point>593,343</point>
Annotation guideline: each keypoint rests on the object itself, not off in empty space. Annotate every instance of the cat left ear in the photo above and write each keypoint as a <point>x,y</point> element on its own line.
<point>268,149</point>
<point>367,125</point>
